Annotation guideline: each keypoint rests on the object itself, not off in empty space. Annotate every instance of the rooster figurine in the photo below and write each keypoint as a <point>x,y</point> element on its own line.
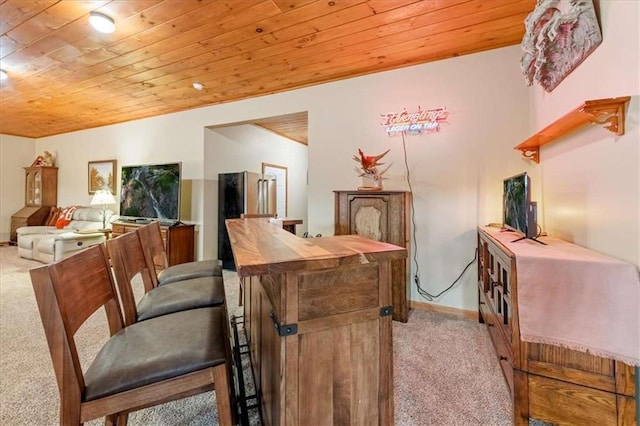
<point>369,162</point>
<point>369,167</point>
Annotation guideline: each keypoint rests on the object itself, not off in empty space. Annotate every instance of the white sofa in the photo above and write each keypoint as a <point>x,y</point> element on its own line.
<point>48,244</point>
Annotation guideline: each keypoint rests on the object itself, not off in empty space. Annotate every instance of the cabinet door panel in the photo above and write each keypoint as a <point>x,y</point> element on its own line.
<point>369,217</point>
<point>179,244</point>
<point>350,394</point>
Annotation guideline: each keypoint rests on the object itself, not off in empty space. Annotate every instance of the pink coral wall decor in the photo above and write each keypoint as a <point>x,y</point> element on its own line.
<point>559,35</point>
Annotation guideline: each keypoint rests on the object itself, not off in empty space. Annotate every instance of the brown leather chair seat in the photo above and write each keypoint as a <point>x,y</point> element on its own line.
<point>189,294</point>
<point>189,270</point>
<point>151,240</point>
<point>128,261</point>
<point>155,350</point>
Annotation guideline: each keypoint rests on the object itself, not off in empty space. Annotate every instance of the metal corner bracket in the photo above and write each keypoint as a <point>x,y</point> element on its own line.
<point>385,311</point>
<point>283,329</point>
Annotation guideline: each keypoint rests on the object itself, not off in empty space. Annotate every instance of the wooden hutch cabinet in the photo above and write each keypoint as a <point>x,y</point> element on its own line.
<point>179,240</point>
<point>548,383</point>
<point>381,216</point>
<point>40,194</point>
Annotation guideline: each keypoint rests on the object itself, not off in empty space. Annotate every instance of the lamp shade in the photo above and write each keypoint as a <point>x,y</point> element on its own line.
<point>103,196</point>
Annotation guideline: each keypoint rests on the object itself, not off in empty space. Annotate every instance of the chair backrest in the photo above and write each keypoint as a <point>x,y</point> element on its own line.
<point>68,292</point>
<point>128,261</point>
<point>153,246</point>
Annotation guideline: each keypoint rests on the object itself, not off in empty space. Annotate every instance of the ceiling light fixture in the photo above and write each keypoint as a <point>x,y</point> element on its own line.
<point>102,22</point>
<point>3,75</point>
<point>198,86</point>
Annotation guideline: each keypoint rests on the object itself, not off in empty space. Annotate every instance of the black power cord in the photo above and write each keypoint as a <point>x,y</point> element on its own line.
<point>422,292</point>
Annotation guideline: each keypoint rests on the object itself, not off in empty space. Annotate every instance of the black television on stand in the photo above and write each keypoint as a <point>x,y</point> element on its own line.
<point>151,192</point>
<point>519,213</point>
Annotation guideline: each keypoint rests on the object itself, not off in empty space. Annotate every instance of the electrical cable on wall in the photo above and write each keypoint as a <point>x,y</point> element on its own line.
<point>421,291</point>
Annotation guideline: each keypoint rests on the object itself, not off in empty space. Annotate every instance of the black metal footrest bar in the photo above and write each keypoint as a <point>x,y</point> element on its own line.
<point>245,402</point>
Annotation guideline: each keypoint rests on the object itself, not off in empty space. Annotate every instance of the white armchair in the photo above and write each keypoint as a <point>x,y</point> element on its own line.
<point>48,244</point>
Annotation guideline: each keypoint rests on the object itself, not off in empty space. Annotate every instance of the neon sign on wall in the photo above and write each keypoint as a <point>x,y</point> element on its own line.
<point>414,123</point>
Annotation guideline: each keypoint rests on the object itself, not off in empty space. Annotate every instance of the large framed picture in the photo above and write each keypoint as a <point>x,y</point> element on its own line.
<point>280,172</point>
<point>102,175</point>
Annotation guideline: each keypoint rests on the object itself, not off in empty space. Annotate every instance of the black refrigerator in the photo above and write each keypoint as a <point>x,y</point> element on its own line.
<point>241,193</point>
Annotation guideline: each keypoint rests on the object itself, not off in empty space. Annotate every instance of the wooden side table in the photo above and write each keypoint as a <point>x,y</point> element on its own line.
<point>289,224</point>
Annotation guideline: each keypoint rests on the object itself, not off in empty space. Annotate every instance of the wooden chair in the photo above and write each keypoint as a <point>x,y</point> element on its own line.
<point>151,238</point>
<point>128,261</point>
<point>190,349</point>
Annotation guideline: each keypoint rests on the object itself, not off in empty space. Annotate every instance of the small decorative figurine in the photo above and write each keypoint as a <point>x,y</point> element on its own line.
<point>46,160</point>
<point>369,170</point>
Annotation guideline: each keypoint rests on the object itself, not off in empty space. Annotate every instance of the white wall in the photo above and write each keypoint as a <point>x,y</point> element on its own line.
<point>246,147</point>
<point>590,180</point>
<point>15,153</point>
<point>154,140</point>
<point>456,174</point>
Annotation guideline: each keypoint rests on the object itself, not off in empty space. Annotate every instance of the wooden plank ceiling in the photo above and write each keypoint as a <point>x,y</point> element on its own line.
<point>64,76</point>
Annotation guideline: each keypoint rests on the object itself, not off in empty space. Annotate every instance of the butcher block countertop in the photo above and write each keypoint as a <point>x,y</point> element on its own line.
<point>260,247</point>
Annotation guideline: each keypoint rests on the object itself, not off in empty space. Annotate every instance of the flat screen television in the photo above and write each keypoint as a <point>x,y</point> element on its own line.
<point>151,191</point>
<point>518,211</point>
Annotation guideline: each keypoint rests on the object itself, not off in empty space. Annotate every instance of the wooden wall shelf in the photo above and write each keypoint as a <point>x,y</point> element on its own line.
<point>607,112</point>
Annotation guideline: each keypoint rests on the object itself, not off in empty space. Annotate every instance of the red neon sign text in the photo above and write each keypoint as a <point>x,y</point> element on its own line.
<point>421,121</point>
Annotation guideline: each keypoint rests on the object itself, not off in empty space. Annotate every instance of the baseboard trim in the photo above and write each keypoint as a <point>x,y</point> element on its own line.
<point>444,310</point>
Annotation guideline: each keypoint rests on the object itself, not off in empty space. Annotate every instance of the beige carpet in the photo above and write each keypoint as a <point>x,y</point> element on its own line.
<point>445,369</point>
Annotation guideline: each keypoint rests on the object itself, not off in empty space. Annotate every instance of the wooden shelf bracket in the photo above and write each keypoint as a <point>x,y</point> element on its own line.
<point>610,113</point>
<point>531,153</point>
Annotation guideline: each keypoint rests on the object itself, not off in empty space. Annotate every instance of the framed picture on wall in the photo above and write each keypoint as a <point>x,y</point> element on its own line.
<point>102,175</point>
<point>280,172</point>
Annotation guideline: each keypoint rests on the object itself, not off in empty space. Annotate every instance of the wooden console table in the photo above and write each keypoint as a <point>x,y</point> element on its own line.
<point>317,316</point>
<point>549,382</point>
<point>179,240</point>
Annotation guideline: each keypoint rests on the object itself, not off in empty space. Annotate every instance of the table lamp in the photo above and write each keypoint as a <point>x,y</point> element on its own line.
<point>103,197</point>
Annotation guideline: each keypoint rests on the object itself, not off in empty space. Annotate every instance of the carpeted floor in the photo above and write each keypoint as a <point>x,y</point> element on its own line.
<point>445,368</point>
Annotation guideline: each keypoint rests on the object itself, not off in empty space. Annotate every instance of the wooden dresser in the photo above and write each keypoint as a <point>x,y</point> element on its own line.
<point>381,216</point>
<point>548,383</point>
<point>318,324</point>
<point>179,240</point>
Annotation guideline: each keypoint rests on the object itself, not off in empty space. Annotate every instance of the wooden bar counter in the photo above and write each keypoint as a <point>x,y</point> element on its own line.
<point>318,324</point>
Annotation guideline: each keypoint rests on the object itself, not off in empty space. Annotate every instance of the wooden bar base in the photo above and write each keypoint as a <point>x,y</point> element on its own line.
<point>317,317</point>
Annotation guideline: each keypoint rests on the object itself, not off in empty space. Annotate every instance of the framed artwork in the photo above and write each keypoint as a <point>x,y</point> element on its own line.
<point>559,36</point>
<point>280,172</point>
<point>102,175</point>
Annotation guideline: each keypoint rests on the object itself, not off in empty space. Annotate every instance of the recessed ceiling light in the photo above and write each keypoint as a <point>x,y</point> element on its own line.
<point>3,75</point>
<point>198,86</point>
<point>102,22</point>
